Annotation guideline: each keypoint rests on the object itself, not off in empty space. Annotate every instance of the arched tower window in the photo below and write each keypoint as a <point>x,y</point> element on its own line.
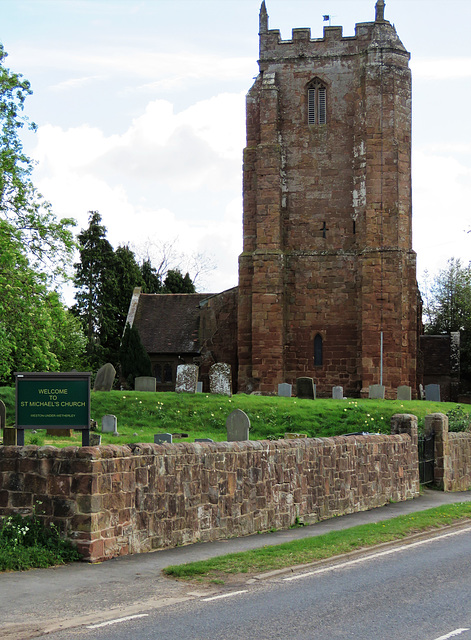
<point>316,102</point>
<point>318,350</point>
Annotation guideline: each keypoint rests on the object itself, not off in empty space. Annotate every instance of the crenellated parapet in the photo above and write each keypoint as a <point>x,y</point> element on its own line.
<point>379,33</point>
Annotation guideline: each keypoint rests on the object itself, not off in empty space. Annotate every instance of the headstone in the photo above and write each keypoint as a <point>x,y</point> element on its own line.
<point>187,378</point>
<point>238,426</point>
<point>145,383</point>
<point>220,379</point>
<point>199,387</point>
<point>109,424</point>
<point>104,378</point>
<point>162,438</point>
<point>404,392</point>
<point>305,388</point>
<point>9,437</point>
<point>294,436</point>
<point>60,433</point>
<point>3,415</point>
<point>285,390</point>
<point>203,440</point>
<point>94,439</point>
<point>421,392</point>
<point>337,393</point>
<point>432,392</point>
<point>376,392</point>
<point>9,434</point>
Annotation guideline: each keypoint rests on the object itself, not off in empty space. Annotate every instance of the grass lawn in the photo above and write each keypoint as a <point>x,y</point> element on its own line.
<point>142,414</point>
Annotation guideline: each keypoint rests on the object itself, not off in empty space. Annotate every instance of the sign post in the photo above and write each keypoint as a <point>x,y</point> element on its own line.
<point>53,401</point>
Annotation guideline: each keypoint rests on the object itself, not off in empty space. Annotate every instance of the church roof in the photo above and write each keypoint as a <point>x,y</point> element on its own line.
<point>169,323</point>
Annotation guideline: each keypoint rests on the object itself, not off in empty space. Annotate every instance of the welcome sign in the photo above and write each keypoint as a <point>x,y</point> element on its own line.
<point>53,400</point>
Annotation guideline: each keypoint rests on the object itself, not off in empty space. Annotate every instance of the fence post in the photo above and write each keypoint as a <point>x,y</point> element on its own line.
<point>437,423</point>
<point>407,423</point>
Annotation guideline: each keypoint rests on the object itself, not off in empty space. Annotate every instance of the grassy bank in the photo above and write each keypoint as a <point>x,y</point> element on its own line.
<point>320,547</point>
<point>141,414</point>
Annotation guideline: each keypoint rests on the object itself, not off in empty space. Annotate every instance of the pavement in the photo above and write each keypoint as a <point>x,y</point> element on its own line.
<point>36,602</point>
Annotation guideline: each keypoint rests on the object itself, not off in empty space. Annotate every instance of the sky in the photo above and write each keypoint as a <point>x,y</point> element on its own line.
<point>140,107</point>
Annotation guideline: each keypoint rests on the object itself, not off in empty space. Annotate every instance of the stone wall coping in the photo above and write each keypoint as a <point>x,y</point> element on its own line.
<point>459,435</point>
<point>122,451</point>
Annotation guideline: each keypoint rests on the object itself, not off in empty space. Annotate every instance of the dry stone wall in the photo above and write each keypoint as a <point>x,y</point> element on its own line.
<point>115,500</point>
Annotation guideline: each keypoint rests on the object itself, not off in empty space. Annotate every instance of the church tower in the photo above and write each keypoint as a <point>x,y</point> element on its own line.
<point>327,277</point>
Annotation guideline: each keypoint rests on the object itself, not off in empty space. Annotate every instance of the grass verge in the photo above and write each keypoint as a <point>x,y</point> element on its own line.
<point>321,547</point>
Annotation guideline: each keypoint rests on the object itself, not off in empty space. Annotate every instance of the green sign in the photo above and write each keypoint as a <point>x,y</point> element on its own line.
<point>53,400</point>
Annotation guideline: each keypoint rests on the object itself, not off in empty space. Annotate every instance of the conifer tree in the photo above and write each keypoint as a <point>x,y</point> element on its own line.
<point>133,357</point>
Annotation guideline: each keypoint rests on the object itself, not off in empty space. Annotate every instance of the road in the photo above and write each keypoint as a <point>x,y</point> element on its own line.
<point>416,591</point>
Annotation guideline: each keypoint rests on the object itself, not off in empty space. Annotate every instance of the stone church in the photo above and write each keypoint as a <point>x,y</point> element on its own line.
<point>327,276</point>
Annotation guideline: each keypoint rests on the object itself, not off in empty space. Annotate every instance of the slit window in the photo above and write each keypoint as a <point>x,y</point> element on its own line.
<point>316,103</point>
<point>318,348</point>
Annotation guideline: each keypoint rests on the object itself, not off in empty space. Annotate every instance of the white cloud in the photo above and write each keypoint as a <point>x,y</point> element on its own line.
<point>138,180</point>
<point>441,215</point>
<point>161,70</point>
<point>441,68</point>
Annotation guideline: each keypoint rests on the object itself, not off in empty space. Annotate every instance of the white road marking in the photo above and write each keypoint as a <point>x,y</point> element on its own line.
<point>224,595</point>
<point>116,620</point>
<point>452,634</point>
<point>376,555</point>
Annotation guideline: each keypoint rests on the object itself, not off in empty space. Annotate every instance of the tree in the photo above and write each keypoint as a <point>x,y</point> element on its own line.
<point>133,357</point>
<point>176,282</point>
<point>36,331</point>
<point>95,283</point>
<point>34,246</point>
<point>447,299</point>
<point>447,308</point>
<point>151,280</point>
<point>48,242</point>
<point>127,275</point>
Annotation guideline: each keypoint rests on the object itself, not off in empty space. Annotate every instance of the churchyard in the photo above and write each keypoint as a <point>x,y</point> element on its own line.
<point>141,415</point>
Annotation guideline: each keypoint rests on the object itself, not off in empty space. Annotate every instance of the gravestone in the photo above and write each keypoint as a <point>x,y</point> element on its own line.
<point>104,378</point>
<point>285,390</point>
<point>187,378</point>
<point>238,426</point>
<point>9,434</point>
<point>421,392</point>
<point>305,388</point>
<point>162,438</point>
<point>220,379</point>
<point>145,383</point>
<point>199,387</point>
<point>337,393</point>
<point>376,392</point>
<point>432,392</point>
<point>203,440</point>
<point>94,439</point>
<point>295,436</point>
<point>109,424</point>
<point>60,433</point>
<point>404,392</point>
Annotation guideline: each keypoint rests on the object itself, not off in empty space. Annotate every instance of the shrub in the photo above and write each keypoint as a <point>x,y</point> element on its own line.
<point>458,419</point>
<point>26,543</point>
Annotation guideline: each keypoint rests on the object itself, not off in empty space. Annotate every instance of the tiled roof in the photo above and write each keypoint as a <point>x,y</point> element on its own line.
<point>169,323</point>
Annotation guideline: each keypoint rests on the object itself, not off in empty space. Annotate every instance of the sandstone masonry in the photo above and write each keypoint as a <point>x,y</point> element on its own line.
<point>327,272</point>
<point>115,500</point>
